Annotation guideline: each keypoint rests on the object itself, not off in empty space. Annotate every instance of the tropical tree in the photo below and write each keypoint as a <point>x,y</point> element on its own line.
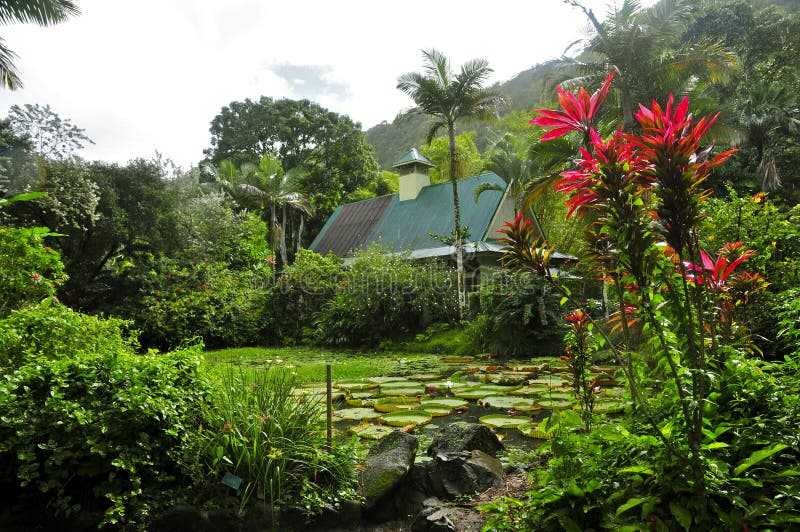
<point>644,46</point>
<point>268,188</point>
<point>449,97</point>
<point>41,12</point>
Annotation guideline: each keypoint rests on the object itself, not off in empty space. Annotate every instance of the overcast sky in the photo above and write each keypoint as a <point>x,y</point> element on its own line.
<point>147,75</point>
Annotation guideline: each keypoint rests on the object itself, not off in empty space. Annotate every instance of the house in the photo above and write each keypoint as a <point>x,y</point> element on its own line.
<point>404,222</point>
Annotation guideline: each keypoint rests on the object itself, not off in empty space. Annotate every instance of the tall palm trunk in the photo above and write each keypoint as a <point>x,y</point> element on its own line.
<point>457,212</point>
<point>284,257</point>
<point>300,232</point>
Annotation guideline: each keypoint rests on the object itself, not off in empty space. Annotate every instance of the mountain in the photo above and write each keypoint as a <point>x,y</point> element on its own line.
<point>392,139</point>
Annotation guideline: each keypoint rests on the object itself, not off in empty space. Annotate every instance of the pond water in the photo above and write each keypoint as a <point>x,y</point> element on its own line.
<point>512,399</point>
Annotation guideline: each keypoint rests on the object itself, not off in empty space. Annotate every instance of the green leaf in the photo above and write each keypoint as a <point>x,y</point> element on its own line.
<point>637,469</point>
<point>758,456</point>
<point>715,445</point>
<point>563,300</point>
<point>633,502</point>
<point>681,514</point>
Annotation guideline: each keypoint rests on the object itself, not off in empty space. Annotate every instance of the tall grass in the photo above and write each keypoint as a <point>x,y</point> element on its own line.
<point>259,430</point>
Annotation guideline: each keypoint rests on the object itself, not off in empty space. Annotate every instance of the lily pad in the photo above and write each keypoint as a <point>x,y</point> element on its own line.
<point>356,386</point>
<point>446,385</point>
<point>371,432</point>
<point>507,402</point>
<point>445,402</point>
<point>554,403</point>
<point>383,380</point>
<point>507,377</point>
<point>357,414</point>
<point>402,419</point>
<point>457,360</point>
<point>424,377</point>
<point>501,421</point>
<point>531,390</point>
<point>401,391</point>
<point>319,393</point>
<point>437,411</point>
<point>482,390</point>
<point>396,404</point>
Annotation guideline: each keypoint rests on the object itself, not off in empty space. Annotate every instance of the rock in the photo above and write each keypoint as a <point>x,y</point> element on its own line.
<point>461,436</point>
<point>436,521</point>
<point>386,464</point>
<point>451,475</point>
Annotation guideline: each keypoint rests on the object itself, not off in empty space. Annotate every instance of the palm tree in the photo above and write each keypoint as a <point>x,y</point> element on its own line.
<point>450,97</point>
<point>643,46</point>
<point>41,12</point>
<point>267,187</point>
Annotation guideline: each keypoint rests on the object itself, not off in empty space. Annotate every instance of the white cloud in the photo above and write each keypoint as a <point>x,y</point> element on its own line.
<point>150,75</point>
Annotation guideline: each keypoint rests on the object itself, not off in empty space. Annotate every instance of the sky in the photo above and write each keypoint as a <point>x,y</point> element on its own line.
<point>142,76</point>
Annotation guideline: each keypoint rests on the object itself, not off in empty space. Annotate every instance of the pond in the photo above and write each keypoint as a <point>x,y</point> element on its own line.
<point>512,398</point>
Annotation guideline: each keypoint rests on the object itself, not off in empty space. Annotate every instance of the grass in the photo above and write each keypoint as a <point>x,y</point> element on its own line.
<point>309,363</point>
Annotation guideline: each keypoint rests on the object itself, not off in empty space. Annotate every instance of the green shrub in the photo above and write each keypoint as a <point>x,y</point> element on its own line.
<point>258,429</point>
<point>29,270</point>
<point>385,296</point>
<point>301,290</point>
<point>176,302</point>
<point>54,331</point>
<point>101,434</point>
<point>520,315</point>
<point>617,477</point>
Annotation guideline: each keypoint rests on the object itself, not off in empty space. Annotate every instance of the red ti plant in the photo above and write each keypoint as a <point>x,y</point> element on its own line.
<point>581,346</point>
<point>642,198</point>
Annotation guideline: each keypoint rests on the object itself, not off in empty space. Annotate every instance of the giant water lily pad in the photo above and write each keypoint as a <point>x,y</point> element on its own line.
<point>384,380</point>
<point>507,402</point>
<point>357,414</point>
<point>445,402</point>
<point>609,407</point>
<point>531,390</point>
<point>356,386</point>
<point>371,432</point>
<point>401,391</point>
<point>457,360</point>
<point>501,421</point>
<point>445,386</point>
<point>406,387</point>
<point>424,377</point>
<point>554,403</point>
<point>437,411</point>
<point>482,390</point>
<point>403,419</point>
<point>507,377</point>
<point>396,404</point>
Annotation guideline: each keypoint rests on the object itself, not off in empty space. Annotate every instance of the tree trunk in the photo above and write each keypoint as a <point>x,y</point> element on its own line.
<point>462,296</point>
<point>284,258</point>
<point>300,233</point>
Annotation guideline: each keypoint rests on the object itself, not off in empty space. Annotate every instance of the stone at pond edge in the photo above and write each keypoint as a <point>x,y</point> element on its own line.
<point>463,436</point>
<point>386,464</point>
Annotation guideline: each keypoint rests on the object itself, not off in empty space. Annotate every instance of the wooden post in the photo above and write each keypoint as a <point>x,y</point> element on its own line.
<point>329,405</point>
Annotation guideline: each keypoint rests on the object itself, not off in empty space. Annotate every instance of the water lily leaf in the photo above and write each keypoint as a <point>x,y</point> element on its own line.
<point>457,360</point>
<point>445,402</point>
<point>482,390</point>
<point>383,380</point>
<point>437,411</point>
<point>502,421</point>
<point>356,386</point>
<point>507,377</point>
<point>401,391</point>
<point>371,432</point>
<point>357,414</point>
<point>507,402</point>
<point>532,390</point>
<point>396,404</point>
<point>424,377</point>
<point>402,419</point>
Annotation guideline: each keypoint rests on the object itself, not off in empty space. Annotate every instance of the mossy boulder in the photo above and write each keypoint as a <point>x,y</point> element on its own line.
<point>386,464</point>
<point>462,436</point>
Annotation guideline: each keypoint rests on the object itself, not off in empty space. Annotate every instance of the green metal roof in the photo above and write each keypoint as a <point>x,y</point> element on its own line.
<point>404,225</point>
<point>413,156</point>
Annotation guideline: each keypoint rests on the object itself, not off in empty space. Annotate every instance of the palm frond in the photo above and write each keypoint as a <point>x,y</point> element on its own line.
<point>41,12</point>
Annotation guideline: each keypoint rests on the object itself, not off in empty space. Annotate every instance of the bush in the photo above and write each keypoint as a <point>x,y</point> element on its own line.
<point>54,331</point>
<point>385,297</point>
<point>176,302</point>
<point>258,430</point>
<point>101,434</point>
<point>616,477</point>
<point>29,270</point>
<point>520,315</point>
<point>300,292</point>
